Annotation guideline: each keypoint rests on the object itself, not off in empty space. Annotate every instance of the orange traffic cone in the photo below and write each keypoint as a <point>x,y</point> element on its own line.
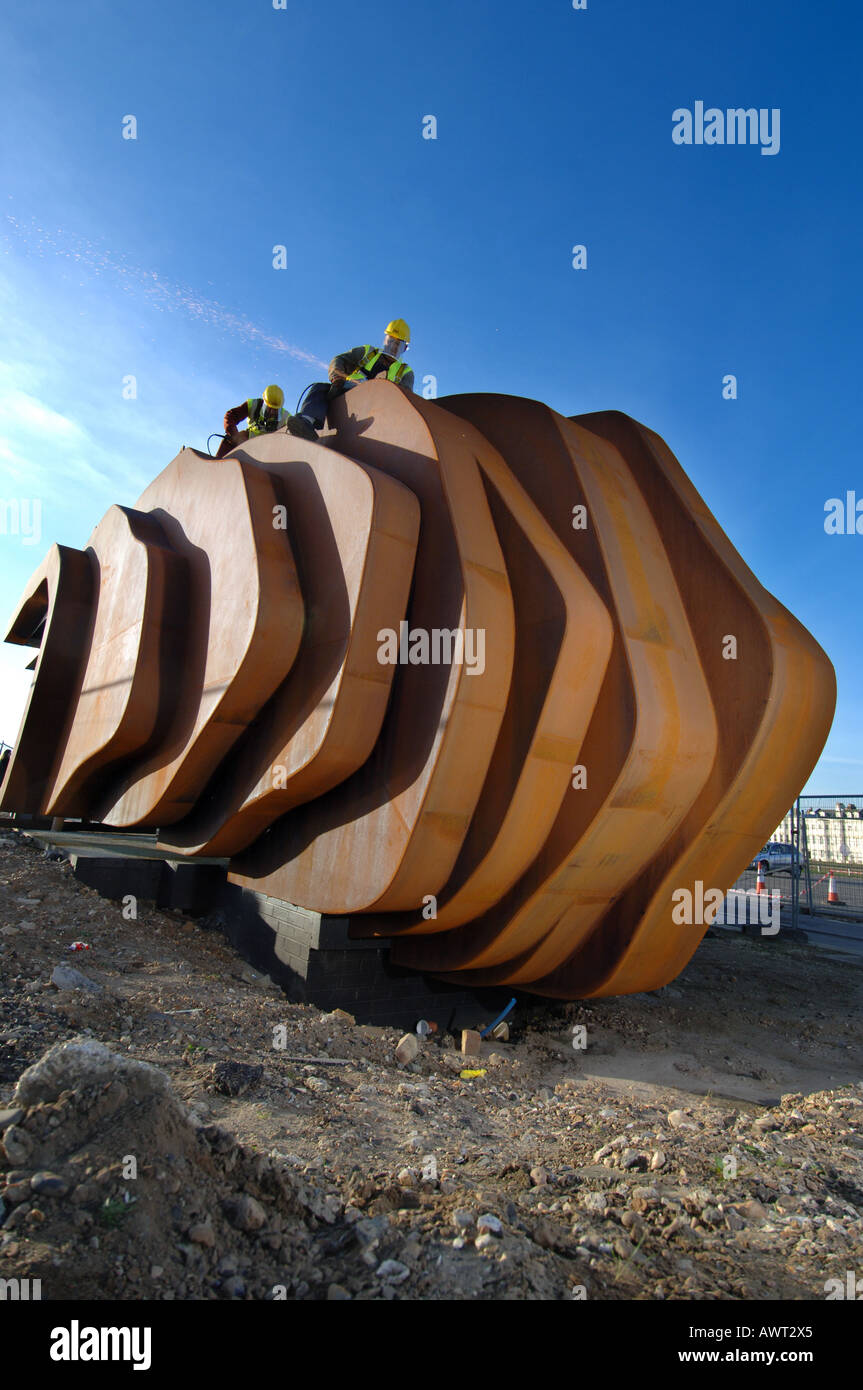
<point>832,895</point>
<point>760,885</point>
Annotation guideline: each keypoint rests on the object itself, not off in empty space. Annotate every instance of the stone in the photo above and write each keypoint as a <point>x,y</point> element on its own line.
<point>316,1084</point>
<point>484,1241</point>
<point>370,1229</point>
<point>364,1092</point>
<point>17,1217</point>
<point>594,1202</point>
<point>676,1118</point>
<point>84,1062</point>
<point>539,1176</point>
<point>680,1223</point>
<point>407,1049</point>
<point>17,1145</point>
<point>751,1210</point>
<point>49,1184</point>
<point>393,1271</point>
<point>233,1288</point>
<point>489,1224</point>
<point>631,1158</point>
<point>67,977</point>
<point>657,1160</point>
<point>336,1293</point>
<point>85,1193</point>
<point>327,1206</point>
<point>549,1235</point>
<point>642,1200</point>
<point>462,1219</point>
<point>471,1043</point>
<point>202,1233</point>
<point>16,1192</point>
<point>632,1223</point>
<point>595,1173</point>
<point>235,1078</point>
<point>339,1016</point>
<point>244,1213</point>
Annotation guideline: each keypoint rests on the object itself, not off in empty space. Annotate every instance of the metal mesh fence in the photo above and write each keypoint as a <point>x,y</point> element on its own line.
<point>814,858</point>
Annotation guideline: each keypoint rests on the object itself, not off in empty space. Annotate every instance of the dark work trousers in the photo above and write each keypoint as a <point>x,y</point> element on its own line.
<point>317,398</point>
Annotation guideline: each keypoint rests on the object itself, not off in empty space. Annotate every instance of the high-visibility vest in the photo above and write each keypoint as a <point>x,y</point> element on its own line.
<point>395,371</point>
<point>257,423</point>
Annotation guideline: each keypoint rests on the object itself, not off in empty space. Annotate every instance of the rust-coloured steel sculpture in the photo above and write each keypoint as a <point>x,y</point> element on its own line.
<point>491,681</point>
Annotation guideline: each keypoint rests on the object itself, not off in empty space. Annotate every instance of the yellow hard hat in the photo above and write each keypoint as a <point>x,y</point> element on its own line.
<point>399,329</point>
<point>274,396</point>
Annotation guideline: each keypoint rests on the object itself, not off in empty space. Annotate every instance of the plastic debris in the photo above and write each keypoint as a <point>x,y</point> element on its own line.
<point>500,1018</point>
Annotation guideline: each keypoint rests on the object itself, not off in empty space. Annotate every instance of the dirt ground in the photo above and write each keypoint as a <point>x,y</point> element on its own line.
<point>203,1138</point>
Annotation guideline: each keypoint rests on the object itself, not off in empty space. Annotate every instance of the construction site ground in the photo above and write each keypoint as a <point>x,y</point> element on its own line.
<point>205,1139</point>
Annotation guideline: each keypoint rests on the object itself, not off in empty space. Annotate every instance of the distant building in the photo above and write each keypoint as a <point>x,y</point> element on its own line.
<point>836,836</point>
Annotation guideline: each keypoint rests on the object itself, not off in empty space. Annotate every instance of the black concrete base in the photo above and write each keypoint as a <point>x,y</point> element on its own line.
<point>191,888</point>
<point>311,956</point>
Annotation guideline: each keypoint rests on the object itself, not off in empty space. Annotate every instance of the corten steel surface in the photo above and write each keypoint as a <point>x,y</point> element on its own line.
<point>354,535</point>
<point>135,632</point>
<point>243,611</point>
<point>391,834</point>
<point>54,615</point>
<point>673,742</point>
<point>211,667</point>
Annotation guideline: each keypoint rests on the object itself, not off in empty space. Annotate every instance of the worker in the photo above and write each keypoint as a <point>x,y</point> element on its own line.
<point>364,363</point>
<point>264,414</point>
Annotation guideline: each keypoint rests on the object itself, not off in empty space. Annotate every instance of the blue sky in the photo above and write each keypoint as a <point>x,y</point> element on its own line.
<point>303,127</point>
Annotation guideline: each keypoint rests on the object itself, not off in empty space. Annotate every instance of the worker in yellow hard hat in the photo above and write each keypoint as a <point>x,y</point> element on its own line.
<point>264,414</point>
<point>364,363</point>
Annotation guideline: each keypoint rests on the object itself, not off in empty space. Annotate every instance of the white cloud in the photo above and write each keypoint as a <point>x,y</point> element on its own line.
<point>39,418</point>
<point>157,290</point>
